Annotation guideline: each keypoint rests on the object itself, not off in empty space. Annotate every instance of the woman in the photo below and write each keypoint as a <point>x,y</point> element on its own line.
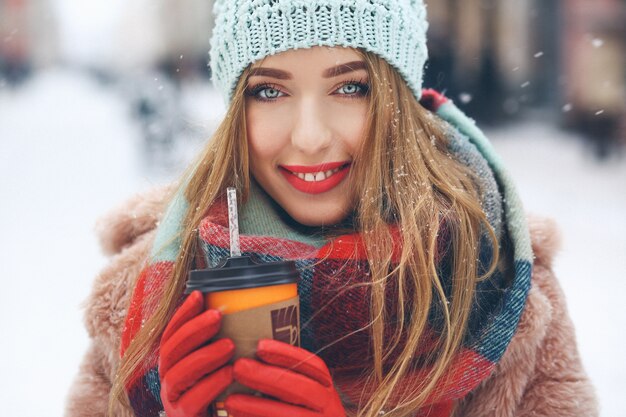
<point>414,255</point>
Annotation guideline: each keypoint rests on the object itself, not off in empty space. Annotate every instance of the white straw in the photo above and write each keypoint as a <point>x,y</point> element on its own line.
<point>233,222</point>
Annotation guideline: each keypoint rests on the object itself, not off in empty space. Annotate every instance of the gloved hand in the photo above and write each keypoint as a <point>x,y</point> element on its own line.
<point>192,373</point>
<point>298,381</point>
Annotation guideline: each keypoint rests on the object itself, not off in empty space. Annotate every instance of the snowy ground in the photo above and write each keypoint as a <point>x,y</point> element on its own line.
<point>69,150</point>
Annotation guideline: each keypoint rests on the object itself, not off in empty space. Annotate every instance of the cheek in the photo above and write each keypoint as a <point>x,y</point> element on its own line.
<point>351,122</point>
<point>266,136</point>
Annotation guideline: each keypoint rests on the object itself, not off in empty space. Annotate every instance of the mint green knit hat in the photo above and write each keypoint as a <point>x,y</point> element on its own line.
<point>248,30</point>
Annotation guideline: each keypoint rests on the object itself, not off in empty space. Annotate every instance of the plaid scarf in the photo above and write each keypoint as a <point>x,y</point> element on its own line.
<point>334,311</point>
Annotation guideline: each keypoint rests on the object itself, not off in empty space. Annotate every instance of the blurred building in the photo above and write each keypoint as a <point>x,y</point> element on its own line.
<point>187,26</point>
<point>169,36</point>
<point>499,58</point>
<point>28,37</point>
<point>483,54</point>
<point>593,69</point>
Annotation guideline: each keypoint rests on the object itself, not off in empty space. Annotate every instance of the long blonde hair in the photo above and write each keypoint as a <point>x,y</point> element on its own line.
<point>404,176</point>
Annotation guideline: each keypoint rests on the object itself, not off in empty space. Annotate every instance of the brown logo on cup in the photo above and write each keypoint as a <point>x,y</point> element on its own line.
<point>285,324</point>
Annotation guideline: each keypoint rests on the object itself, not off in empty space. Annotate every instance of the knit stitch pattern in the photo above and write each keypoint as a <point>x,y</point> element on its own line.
<point>248,30</point>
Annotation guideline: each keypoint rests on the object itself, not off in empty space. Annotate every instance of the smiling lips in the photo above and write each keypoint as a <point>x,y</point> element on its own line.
<point>315,179</point>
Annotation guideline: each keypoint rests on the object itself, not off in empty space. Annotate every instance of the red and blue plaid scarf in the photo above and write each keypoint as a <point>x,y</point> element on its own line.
<point>335,311</point>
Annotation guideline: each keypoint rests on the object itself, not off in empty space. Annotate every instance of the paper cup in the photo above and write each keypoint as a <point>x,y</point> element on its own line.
<point>258,301</point>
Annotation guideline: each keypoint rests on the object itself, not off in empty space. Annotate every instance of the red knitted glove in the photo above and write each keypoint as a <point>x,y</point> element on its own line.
<point>192,373</point>
<point>297,379</point>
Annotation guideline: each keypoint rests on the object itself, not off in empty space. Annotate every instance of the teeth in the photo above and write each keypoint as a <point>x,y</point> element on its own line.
<point>316,176</point>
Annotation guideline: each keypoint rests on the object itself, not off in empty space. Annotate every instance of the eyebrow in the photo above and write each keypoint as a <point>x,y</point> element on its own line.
<point>328,73</point>
<point>344,68</point>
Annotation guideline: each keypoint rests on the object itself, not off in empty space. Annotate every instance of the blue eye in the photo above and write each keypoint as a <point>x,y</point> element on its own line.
<point>353,89</point>
<point>270,93</point>
<point>264,92</point>
<point>350,88</point>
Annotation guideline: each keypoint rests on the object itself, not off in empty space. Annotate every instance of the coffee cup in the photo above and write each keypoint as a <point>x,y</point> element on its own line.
<point>257,300</point>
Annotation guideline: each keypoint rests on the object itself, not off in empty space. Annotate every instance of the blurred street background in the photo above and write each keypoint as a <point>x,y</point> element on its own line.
<point>100,100</point>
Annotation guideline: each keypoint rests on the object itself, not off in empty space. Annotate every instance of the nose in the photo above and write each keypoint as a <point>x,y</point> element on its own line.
<point>312,131</point>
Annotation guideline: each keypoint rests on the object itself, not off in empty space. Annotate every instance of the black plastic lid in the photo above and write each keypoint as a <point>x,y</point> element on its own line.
<point>241,272</point>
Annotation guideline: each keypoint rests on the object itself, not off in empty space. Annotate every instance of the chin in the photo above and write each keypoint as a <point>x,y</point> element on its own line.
<point>313,217</point>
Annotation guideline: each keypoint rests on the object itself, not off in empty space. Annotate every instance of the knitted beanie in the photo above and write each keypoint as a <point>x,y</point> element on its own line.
<point>248,30</point>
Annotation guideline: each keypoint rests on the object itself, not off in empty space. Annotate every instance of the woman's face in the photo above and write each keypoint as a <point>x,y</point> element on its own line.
<point>306,111</point>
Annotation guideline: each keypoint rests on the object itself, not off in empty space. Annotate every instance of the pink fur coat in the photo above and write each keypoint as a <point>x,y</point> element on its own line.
<point>539,375</point>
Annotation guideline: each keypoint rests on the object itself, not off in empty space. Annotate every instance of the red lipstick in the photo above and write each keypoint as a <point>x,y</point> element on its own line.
<point>315,187</point>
